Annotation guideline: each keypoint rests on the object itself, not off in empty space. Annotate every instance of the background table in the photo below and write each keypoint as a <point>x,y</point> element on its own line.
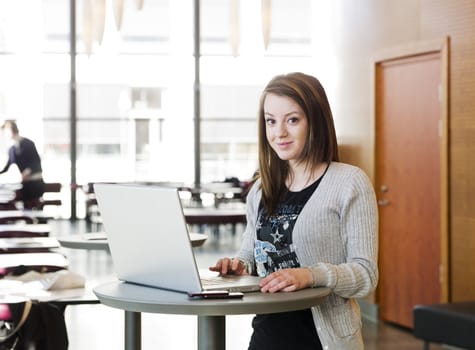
<point>7,196</point>
<point>40,216</point>
<point>215,217</point>
<point>38,261</point>
<point>135,299</point>
<point>27,244</point>
<point>81,241</point>
<point>21,229</point>
<point>200,216</point>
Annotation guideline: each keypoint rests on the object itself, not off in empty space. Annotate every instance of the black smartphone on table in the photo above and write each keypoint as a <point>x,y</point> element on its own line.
<point>215,294</point>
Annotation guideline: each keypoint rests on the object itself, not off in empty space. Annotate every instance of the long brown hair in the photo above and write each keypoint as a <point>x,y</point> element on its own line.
<point>321,144</point>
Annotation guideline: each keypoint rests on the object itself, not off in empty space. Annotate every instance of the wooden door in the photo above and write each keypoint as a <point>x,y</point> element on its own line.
<point>408,183</point>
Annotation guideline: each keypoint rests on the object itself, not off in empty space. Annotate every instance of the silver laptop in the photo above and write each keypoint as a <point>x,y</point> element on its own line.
<point>149,240</point>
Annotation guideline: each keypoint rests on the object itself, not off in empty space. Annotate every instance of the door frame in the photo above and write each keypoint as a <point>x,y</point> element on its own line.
<point>441,46</point>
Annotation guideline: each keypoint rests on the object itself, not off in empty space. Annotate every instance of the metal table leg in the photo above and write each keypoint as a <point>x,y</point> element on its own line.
<point>211,332</point>
<point>133,330</point>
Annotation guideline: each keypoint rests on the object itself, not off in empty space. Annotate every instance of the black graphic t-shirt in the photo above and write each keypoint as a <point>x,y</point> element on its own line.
<point>273,249</point>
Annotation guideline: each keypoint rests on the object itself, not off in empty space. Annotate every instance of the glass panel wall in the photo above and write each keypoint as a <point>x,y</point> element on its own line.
<point>34,55</point>
<point>135,107</point>
<point>237,62</point>
<point>135,84</point>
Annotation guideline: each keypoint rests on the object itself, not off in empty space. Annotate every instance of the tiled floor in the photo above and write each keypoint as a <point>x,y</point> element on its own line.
<point>100,327</point>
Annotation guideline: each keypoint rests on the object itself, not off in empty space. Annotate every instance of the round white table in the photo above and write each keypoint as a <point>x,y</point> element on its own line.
<point>98,240</point>
<point>134,299</point>
<point>82,242</point>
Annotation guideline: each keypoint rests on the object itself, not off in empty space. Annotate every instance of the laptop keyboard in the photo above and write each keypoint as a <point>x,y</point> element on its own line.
<point>233,283</point>
<point>217,280</point>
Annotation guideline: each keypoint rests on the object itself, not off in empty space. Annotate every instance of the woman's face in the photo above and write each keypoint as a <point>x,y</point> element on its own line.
<point>286,126</point>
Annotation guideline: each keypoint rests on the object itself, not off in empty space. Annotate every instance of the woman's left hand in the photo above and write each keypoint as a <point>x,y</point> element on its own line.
<point>287,280</point>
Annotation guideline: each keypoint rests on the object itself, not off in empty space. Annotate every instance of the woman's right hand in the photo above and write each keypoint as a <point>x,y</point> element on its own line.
<point>228,266</point>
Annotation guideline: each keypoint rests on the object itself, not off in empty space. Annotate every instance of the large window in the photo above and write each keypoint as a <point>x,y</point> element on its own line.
<point>135,84</point>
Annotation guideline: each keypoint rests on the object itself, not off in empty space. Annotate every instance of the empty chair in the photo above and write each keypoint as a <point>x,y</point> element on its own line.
<point>446,323</point>
<point>48,198</point>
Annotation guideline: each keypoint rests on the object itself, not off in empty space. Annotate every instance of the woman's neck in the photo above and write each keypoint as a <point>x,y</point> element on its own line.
<point>301,176</point>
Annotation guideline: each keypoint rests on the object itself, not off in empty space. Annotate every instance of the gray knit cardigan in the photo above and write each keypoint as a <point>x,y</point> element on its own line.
<point>336,236</point>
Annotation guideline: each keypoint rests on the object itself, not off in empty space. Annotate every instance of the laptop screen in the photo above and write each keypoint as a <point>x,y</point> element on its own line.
<point>148,236</point>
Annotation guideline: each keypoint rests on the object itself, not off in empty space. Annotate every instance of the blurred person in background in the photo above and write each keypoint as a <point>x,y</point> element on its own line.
<point>24,154</point>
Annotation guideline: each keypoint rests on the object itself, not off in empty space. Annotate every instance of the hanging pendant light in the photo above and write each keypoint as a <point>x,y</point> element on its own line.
<point>99,16</point>
<point>88,25</point>
<point>139,4</point>
<point>266,21</point>
<point>234,27</point>
<point>118,7</point>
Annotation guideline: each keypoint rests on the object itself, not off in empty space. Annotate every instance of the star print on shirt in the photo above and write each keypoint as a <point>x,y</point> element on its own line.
<point>273,249</point>
<point>277,236</point>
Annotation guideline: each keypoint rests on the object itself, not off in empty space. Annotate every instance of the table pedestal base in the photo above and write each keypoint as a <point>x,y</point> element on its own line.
<point>133,333</point>
<point>211,332</point>
<point>211,314</point>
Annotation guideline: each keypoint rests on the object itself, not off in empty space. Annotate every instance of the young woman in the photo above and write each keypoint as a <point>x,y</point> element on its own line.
<point>311,222</point>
